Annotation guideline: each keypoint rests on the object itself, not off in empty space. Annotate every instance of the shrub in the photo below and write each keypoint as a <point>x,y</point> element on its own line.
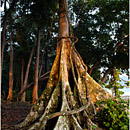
<point>113,114</point>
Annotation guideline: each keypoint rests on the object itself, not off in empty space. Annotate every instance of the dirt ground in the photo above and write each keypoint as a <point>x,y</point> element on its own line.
<point>13,113</point>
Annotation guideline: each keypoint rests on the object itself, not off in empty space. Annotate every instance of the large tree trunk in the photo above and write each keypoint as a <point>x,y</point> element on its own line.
<point>35,87</point>
<point>68,90</point>
<point>10,92</point>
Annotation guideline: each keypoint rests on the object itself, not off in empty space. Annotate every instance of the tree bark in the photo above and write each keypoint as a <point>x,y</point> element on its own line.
<point>22,73</point>
<point>46,60</point>
<point>17,83</point>
<point>4,31</point>
<point>10,92</point>
<point>42,58</point>
<point>35,87</point>
<point>26,76</point>
<point>68,89</point>
<point>41,66</point>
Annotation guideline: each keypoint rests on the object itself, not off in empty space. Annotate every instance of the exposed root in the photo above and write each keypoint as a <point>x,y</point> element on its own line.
<point>71,97</point>
<point>38,109</point>
<point>75,102</point>
<point>51,107</point>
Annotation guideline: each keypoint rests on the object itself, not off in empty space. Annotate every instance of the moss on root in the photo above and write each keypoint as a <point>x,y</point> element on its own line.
<point>61,97</point>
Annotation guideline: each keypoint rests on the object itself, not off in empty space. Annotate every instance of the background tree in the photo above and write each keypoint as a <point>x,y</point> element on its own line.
<point>7,12</point>
<point>101,27</point>
<point>7,20</point>
<point>26,76</point>
<point>35,87</point>
<point>10,92</point>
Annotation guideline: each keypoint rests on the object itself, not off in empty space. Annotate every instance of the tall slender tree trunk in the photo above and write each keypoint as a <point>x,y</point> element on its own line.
<point>10,92</point>
<point>4,31</point>
<point>41,66</point>
<point>22,73</point>
<point>68,90</point>
<point>26,76</point>
<point>46,60</point>
<point>3,42</point>
<point>17,83</point>
<point>42,58</point>
<point>35,87</point>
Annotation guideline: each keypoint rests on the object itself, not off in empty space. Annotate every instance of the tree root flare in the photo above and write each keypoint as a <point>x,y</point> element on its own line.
<point>70,96</point>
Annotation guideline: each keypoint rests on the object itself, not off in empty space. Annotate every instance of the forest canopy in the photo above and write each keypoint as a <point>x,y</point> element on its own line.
<point>100,26</point>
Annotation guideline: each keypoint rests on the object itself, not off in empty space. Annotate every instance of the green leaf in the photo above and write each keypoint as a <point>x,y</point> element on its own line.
<point>94,126</point>
<point>125,127</point>
<point>107,124</point>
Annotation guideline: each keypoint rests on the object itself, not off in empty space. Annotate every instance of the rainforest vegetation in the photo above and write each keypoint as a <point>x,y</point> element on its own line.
<point>59,55</point>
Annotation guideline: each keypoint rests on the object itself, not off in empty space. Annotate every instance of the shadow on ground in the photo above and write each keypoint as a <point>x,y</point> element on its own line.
<point>13,113</point>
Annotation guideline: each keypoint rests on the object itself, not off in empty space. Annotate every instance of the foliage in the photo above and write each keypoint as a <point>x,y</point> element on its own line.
<point>114,114</point>
<point>115,84</point>
<point>101,26</point>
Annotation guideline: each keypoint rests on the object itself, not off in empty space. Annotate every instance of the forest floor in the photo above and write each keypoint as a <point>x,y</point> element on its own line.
<point>12,113</point>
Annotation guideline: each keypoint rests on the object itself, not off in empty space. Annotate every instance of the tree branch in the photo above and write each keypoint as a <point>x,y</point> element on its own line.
<point>45,74</point>
<point>28,86</point>
<point>105,75</point>
<point>95,64</point>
